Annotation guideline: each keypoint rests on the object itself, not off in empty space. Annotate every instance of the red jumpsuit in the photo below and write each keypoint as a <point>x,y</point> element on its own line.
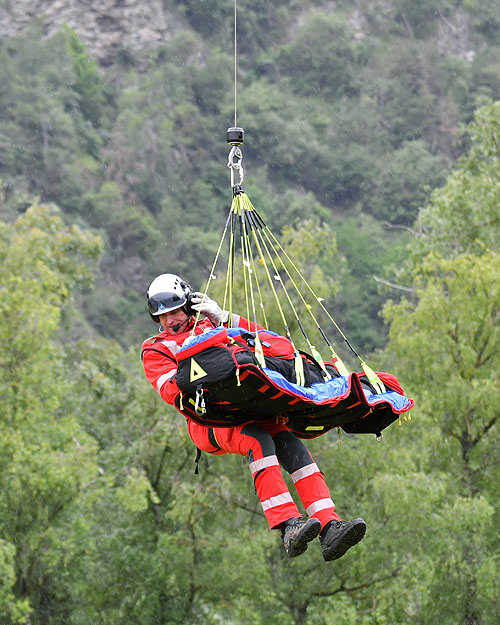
<point>266,444</point>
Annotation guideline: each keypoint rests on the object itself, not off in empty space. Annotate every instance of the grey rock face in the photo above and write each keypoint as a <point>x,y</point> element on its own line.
<point>105,26</point>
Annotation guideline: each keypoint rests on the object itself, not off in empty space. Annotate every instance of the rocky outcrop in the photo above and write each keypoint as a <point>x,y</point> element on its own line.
<point>105,26</point>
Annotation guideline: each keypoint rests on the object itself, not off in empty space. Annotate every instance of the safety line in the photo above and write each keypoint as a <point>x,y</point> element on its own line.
<point>372,376</point>
<point>261,229</point>
<point>239,205</point>
<point>255,270</point>
<point>299,363</point>
<point>228,287</point>
<point>336,358</point>
<point>244,263</point>
<point>212,274</point>
<point>311,348</point>
<point>253,226</point>
<point>251,270</point>
<point>258,235</point>
<point>299,273</point>
<point>266,269</point>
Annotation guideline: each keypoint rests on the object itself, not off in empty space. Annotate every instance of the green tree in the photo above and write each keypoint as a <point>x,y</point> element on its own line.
<point>486,18</point>
<point>370,253</point>
<point>47,460</point>
<point>446,338</point>
<point>48,146</point>
<point>463,216</point>
<point>403,183</point>
<point>259,22</point>
<point>418,19</point>
<point>323,59</point>
<point>453,337</point>
<point>89,83</point>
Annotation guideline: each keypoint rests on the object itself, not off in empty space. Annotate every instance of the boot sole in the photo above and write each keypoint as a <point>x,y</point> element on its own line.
<point>309,532</point>
<point>351,537</point>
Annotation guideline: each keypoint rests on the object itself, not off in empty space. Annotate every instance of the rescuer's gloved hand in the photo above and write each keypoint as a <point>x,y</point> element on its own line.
<point>208,307</point>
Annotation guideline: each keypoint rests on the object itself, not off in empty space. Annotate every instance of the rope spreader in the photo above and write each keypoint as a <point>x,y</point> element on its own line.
<point>235,138</point>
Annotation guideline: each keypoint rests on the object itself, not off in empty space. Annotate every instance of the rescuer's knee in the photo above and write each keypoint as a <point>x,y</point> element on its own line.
<point>291,451</point>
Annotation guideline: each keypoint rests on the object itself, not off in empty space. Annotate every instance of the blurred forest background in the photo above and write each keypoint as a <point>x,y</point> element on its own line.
<point>373,146</point>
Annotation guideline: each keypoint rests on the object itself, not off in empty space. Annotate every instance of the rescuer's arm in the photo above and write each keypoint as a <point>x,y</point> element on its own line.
<point>211,309</point>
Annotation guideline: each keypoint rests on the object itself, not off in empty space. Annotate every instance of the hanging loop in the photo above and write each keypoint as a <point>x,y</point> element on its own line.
<point>234,163</point>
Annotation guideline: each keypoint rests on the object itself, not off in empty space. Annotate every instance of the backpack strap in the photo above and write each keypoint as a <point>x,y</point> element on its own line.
<point>159,351</point>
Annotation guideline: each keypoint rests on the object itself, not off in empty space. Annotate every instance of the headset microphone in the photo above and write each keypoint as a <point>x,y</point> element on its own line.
<point>177,326</point>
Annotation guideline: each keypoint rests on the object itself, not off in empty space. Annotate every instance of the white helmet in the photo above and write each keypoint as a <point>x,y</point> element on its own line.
<point>167,292</point>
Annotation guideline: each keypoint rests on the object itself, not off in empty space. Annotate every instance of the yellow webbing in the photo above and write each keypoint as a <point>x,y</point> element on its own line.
<point>254,230</point>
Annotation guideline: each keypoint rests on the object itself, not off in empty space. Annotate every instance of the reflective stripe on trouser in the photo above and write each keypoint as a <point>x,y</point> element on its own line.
<point>314,493</point>
<point>309,481</point>
<point>272,491</point>
<point>255,442</point>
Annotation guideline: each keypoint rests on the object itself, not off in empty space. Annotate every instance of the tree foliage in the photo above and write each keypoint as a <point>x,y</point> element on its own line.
<point>324,58</point>
<point>46,457</point>
<point>463,216</point>
<point>450,329</point>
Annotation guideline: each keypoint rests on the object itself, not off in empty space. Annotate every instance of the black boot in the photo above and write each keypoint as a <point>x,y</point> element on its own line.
<point>339,536</point>
<point>296,533</point>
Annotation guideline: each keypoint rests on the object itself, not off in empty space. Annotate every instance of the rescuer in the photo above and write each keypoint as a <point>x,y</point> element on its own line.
<point>267,445</point>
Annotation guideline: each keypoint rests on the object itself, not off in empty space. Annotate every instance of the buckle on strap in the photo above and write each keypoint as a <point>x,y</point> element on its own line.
<point>199,404</point>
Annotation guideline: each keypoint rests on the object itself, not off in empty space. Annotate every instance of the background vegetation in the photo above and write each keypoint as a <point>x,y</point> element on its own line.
<point>373,126</point>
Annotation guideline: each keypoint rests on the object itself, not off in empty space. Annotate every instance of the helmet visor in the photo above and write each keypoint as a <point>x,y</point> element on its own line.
<point>160,303</point>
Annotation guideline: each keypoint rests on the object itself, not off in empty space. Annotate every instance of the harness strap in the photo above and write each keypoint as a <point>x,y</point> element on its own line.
<point>197,461</point>
<point>213,440</point>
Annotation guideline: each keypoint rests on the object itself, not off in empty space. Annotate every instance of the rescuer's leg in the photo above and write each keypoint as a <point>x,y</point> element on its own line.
<point>272,491</point>
<point>308,479</point>
<point>257,444</point>
<point>336,536</point>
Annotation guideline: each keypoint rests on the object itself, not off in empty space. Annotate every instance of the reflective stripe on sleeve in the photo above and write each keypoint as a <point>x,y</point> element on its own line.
<point>277,500</point>
<point>164,378</point>
<point>303,472</point>
<point>321,504</point>
<point>268,461</point>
